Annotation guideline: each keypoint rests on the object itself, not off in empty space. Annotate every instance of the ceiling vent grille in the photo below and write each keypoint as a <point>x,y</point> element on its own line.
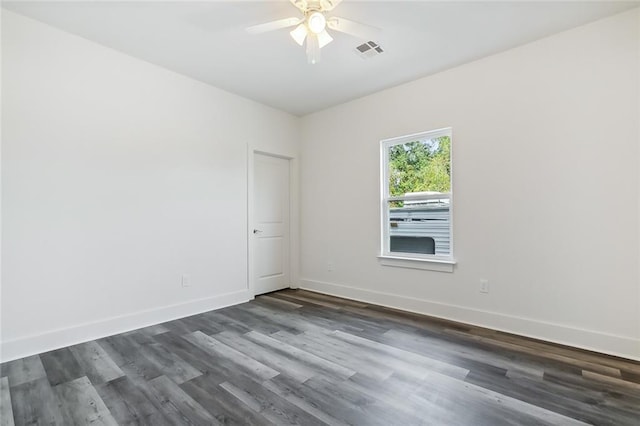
<point>368,50</point>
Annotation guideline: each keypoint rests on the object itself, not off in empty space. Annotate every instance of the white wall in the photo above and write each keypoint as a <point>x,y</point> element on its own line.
<point>546,185</point>
<point>117,177</point>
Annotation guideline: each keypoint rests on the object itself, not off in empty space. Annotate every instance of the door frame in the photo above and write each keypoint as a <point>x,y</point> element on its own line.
<point>293,217</point>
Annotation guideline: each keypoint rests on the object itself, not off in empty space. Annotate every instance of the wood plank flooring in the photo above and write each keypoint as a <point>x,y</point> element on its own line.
<point>296,357</point>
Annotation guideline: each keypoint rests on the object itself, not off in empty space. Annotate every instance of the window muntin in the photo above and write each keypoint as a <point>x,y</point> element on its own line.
<point>417,197</point>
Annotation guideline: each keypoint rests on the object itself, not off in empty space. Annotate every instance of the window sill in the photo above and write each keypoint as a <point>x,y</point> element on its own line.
<point>439,265</point>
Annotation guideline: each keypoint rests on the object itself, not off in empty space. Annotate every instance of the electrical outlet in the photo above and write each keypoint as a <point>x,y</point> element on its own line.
<point>186,281</point>
<point>484,286</point>
<point>330,266</point>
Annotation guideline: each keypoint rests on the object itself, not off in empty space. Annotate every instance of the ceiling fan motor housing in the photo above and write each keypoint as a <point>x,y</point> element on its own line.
<point>310,6</point>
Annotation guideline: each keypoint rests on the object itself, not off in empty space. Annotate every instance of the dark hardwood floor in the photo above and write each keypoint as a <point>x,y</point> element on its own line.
<point>296,357</point>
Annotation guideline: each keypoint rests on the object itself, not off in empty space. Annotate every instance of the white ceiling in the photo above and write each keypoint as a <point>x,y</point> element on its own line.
<point>207,41</point>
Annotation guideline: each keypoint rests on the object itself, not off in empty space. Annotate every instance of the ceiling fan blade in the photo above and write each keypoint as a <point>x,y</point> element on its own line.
<point>273,25</point>
<point>365,32</point>
<point>328,5</point>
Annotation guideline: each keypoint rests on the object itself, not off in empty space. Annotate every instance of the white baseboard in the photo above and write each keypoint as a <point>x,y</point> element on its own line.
<point>55,339</point>
<point>621,346</point>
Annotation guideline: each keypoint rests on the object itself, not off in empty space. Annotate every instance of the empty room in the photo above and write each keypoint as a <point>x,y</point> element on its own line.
<point>320,212</point>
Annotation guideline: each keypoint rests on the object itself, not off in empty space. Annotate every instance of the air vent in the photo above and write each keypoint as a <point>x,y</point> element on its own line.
<point>369,50</point>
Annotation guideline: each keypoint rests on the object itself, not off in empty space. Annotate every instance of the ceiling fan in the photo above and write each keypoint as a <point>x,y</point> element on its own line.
<point>312,27</point>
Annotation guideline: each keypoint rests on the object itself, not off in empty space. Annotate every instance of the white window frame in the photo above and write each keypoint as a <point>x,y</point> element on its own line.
<point>412,260</point>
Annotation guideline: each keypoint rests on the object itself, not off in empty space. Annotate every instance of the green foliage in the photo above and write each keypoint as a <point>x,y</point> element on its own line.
<point>420,166</point>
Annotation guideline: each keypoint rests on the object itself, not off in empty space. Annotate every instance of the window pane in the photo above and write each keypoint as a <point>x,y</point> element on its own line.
<point>419,226</point>
<point>417,195</point>
<point>420,166</point>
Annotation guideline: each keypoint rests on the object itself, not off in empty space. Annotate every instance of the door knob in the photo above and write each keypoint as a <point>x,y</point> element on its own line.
<point>256,231</point>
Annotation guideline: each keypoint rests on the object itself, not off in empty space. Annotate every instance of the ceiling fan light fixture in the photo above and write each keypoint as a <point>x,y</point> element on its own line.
<point>324,38</point>
<point>299,34</point>
<point>316,22</point>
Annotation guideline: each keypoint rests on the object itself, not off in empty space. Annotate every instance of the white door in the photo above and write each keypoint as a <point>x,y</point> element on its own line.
<point>271,223</point>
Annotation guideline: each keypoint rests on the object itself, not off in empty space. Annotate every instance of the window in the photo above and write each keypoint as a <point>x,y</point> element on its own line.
<point>416,197</point>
